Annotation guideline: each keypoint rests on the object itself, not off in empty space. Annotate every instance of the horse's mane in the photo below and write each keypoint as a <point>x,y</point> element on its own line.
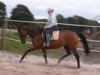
<point>36,29</point>
<point>33,29</point>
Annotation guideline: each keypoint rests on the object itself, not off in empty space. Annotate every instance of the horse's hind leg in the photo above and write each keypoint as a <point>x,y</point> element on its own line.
<point>29,50</point>
<point>67,54</point>
<point>77,58</point>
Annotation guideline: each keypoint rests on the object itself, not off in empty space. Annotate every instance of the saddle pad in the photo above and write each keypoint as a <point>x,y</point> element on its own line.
<point>55,35</point>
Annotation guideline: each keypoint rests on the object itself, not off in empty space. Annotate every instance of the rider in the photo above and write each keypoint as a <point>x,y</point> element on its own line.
<point>50,26</point>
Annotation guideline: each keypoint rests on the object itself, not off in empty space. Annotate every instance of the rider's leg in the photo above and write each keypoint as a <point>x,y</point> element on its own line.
<point>49,32</point>
<point>45,40</point>
<point>48,40</point>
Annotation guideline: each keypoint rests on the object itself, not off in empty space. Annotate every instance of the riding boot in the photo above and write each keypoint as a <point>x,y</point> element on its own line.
<point>48,40</point>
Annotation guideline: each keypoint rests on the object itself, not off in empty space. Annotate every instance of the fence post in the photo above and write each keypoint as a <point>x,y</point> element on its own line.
<point>3,31</point>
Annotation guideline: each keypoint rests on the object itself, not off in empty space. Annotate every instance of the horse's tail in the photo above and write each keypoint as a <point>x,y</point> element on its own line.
<point>85,44</point>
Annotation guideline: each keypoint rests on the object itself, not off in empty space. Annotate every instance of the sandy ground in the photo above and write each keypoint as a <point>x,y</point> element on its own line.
<point>34,65</point>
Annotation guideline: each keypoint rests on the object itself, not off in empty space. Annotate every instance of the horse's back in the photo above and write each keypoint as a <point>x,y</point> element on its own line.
<point>68,33</point>
<point>68,37</point>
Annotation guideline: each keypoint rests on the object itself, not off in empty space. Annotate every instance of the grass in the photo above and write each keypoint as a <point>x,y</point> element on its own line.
<point>18,48</point>
<point>15,35</point>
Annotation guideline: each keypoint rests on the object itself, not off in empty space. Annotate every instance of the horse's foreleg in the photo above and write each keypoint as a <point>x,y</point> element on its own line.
<point>45,55</point>
<point>29,50</point>
<point>68,53</point>
<point>63,57</point>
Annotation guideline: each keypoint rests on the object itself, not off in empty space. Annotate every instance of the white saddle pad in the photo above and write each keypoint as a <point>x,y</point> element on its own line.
<point>55,35</point>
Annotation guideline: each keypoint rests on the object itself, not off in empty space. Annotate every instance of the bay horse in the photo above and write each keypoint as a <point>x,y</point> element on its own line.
<point>67,39</point>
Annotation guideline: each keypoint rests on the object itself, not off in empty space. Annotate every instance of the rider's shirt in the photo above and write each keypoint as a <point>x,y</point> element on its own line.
<point>52,21</point>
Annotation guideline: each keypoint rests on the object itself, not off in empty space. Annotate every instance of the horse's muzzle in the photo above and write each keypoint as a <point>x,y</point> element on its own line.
<point>23,40</point>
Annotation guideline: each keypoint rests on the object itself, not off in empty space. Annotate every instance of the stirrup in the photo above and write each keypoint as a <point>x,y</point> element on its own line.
<point>46,44</point>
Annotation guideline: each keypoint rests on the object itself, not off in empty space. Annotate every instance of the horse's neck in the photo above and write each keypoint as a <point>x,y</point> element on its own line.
<point>32,35</point>
<point>32,32</point>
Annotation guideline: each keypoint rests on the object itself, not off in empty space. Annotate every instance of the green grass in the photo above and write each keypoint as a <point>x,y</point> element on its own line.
<point>15,47</point>
<point>15,35</point>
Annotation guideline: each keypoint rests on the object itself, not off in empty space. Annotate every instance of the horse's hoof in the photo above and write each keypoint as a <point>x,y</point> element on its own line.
<point>78,67</point>
<point>46,62</point>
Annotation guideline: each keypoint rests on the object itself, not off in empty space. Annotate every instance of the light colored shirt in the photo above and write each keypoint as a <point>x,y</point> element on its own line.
<point>52,21</point>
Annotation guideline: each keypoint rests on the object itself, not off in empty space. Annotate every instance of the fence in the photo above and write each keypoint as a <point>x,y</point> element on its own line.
<point>4,26</point>
<point>4,29</point>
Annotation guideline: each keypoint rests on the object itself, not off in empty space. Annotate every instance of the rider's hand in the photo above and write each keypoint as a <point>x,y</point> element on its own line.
<point>45,27</point>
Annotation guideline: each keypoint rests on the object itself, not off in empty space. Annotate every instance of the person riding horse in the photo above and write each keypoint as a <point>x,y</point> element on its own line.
<point>50,26</point>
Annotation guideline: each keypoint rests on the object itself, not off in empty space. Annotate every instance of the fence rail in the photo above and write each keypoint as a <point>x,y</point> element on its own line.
<point>9,30</point>
<point>16,40</point>
<point>57,23</point>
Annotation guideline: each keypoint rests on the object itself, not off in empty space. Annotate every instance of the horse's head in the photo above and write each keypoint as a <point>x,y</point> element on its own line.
<point>28,30</point>
<point>23,34</point>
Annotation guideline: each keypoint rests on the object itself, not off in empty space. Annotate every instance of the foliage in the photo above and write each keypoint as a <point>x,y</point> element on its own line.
<point>60,18</point>
<point>21,12</point>
<point>76,20</point>
<point>2,6</point>
<point>3,9</point>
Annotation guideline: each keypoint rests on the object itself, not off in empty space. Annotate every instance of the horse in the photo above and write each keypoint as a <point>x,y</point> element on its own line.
<point>67,39</point>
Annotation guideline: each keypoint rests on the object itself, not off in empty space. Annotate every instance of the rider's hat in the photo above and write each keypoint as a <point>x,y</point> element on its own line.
<point>50,9</point>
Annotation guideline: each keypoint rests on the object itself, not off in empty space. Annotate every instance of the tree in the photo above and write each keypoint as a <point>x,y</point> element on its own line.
<point>2,12</point>
<point>60,18</point>
<point>21,12</point>
<point>77,20</point>
<point>2,6</point>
